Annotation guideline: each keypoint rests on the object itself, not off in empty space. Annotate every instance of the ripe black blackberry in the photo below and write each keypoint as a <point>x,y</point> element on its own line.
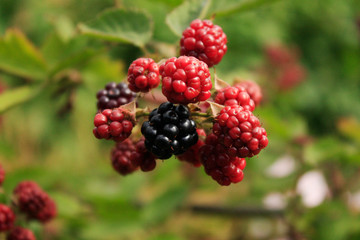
<point>169,130</point>
<point>114,95</point>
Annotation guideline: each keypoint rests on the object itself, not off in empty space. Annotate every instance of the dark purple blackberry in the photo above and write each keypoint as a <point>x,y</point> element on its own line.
<point>114,95</point>
<point>169,130</point>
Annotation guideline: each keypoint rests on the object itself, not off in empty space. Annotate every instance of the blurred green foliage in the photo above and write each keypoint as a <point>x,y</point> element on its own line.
<point>52,66</point>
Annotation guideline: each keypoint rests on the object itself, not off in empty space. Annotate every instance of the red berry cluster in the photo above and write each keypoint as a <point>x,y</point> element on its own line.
<point>128,156</point>
<point>185,80</point>
<point>205,41</point>
<point>240,131</point>
<point>172,129</point>
<point>284,66</point>
<point>7,218</point>
<point>143,75</point>
<point>19,233</point>
<point>115,124</point>
<point>34,202</point>
<point>220,163</point>
<point>2,175</point>
<point>236,95</point>
<point>28,200</point>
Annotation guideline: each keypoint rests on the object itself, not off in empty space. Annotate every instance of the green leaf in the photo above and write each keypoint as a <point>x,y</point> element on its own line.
<point>225,7</point>
<point>181,17</point>
<point>19,57</point>
<point>120,25</point>
<point>16,96</point>
<point>164,205</point>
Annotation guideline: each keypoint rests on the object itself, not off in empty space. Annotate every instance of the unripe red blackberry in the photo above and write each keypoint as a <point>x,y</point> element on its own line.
<point>115,124</point>
<point>253,90</point>
<point>34,202</point>
<point>19,233</point>
<point>185,80</point>
<point>128,156</point>
<point>114,95</point>
<point>219,163</point>
<point>192,154</point>
<point>2,175</point>
<point>169,131</point>
<point>7,218</point>
<point>146,159</point>
<point>205,41</point>
<point>240,132</point>
<point>121,157</point>
<point>143,75</point>
<point>235,96</point>
<point>290,76</point>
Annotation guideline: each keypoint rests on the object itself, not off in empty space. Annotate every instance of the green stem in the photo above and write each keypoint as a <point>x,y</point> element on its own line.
<point>200,114</point>
<point>142,114</point>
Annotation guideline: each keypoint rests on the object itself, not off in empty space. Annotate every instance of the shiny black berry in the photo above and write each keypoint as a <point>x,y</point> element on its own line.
<point>169,130</point>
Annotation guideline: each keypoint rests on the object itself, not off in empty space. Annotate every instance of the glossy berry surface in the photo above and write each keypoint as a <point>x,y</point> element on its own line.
<point>169,130</point>
<point>253,89</point>
<point>192,155</point>
<point>19,233</point>
<point>7,218</point>
<point>240,132</point>
<point>114,95</point>
<point>143,75</point>
<point>219,163</point>
<point>34,202</point>
<point>185,80</point>
<point>205,41</point>
<point>235,96</point>
<point>115,124</point>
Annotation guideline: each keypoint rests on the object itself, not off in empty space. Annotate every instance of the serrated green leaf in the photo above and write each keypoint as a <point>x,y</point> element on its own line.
<point>181,17</point>
<point>225,7</point>
<point>19,57</point>
<point>120,25</point>
<point>164,205</point>
<point>16,96</point>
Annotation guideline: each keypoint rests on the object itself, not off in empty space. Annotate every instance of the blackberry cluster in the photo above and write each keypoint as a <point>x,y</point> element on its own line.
<point>185,80</point>
<point>235,96</point>
<point>114,95</point>
<point>143,75</point>
<point>253,90</point>
<point>34,202</point>
<point>240,132</point>
<point>205,41</point>
<point>192,155</point>
<point>115,124</point>
<point>7,218</point>
<point>169,130</point>
<point>19,233</point>
<point>220,164</point>
<point>2,175</point>
<point>128,156</point>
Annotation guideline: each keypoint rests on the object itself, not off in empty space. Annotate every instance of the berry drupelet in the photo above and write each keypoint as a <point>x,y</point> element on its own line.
<point>143,75</point>
<point>115,124</point>
<point>240,132</point>
<point>34,202</point>
<point>169,130</point>
<point>253,90</point>
<point>114,95</point>
<point>185,80</point>
<point>205,41</point>
<point>235,96</point>
<point>192,154</point>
